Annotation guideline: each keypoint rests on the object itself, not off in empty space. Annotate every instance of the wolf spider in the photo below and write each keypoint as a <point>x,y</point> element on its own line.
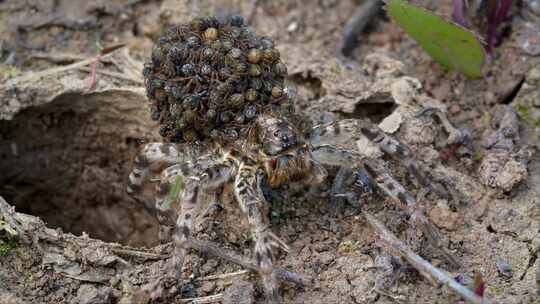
<point>273,151</point>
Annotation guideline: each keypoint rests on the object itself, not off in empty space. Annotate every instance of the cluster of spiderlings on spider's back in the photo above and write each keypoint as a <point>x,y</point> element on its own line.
<point>209,79</point>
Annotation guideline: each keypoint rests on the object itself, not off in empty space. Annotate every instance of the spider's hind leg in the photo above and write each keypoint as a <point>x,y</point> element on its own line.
<point>375,175</point>
<point>345,134</point>
<point>401,153</point>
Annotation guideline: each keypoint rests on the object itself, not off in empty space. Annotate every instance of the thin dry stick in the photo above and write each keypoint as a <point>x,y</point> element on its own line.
<point>424,267</point>
<point>133,66</point>
<point>38,75</point>
<point>139,254</point>
<point>282,273</point>
<point>203,300</point>
<point>408,203</point>
<point>112,74</point>
<point>58,57</point>
<point>223,276</point>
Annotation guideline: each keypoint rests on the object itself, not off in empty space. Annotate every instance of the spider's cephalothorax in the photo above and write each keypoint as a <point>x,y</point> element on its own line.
<point>284,152</point>
<point>217,90</point>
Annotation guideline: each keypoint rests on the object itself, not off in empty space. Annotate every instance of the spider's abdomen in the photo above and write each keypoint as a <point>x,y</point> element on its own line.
<point>209,79</point>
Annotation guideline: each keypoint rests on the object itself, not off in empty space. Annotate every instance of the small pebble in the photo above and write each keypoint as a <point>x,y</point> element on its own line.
<point>454,109</point>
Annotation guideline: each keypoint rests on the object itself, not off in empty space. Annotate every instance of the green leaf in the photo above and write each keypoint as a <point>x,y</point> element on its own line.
<point>173,193</point>
<point>448,43</point>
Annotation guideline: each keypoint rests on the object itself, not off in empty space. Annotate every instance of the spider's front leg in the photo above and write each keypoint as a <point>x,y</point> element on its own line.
<point>152,158</point>
<point>194,187</point>
<point>197,183</point>
<point>249,195</point>
<point>165,198</point>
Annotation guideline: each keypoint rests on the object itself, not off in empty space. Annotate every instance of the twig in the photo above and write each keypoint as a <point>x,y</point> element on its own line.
<point>424,267</point>
<point>38,75</point>
<point>397,298</point>
<point>60,58</point>
<point>391,188</point>
<point>223,276</point>
<point>139,254</point>
<point>60,20</point>
<point>202,300</point>
<point>232,257</point>
<point>133,66</point>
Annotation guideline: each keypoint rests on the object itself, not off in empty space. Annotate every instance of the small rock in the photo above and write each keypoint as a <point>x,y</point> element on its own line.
<point>342,287</point>
<point>208,286</point>
<point>241,292</point>
<point>293,26</point>
<point>490,98</point>
<point>443,91</point>
<point>305,254</point>
<point>454,109</point>
<point>443,217</point>
<point>528,40</point>
<point>405,89</point>
<point>326,258</point>
<point>513,173</point>
<point>391,123</point>
<point>209,266</point>
<point>383,66</point>
<point>504,268</point>
<point>88,294</point>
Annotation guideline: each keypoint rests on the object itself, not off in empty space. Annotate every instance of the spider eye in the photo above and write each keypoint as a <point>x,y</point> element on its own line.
<point>276,133</point>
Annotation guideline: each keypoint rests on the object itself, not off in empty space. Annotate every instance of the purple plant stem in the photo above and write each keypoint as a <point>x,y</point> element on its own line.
<point>502,10</point>
<point>458,12</point>
<point>499,16</point>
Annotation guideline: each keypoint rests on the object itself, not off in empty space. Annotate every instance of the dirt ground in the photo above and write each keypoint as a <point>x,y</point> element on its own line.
<point>66,151</point>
